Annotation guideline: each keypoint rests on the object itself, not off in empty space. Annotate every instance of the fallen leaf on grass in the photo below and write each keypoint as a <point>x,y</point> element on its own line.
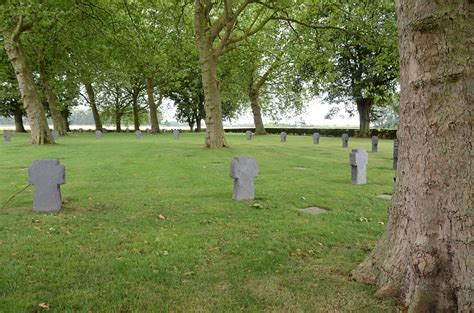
<point>381,223</point>
<point>257,206</point>
<point>45,306</point>
<point>162,217</point>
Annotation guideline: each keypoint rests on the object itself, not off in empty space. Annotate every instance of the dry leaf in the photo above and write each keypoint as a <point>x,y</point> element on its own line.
<point>45,306</point>
<point>162,217</point>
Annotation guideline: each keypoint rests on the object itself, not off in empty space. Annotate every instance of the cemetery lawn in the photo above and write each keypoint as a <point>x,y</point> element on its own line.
<point>150,226</point>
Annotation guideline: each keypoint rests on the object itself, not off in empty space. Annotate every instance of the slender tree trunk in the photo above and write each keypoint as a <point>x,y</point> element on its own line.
<point>40,133</point>
<point>425,258</point>
<point>93,104</point>
<point>19,127</point>
<point>257,113</point>
<point>198,125</point>
<point>58,121</point>
<point>136,116</point>
<point>213,105</point>
<point>118,122</point>
<point>364,106</point>
<point>65,116</point>
<point>155,126</point>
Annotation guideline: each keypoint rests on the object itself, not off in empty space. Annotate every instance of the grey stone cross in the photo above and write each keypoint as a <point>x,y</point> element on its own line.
<point>7,136</point>
<point>176,133</point>
<point>316,138</point>
<point>55,134</point>
<point>345,140</point>
<point>243,170</point>
<point>359,159</point>
<point>138,134</point>
<point>375,143</point>
<point>396,143</point>
<point>248,135</point>
<point>283,136</point>
<point>98,134</point>
<point>47,176</point>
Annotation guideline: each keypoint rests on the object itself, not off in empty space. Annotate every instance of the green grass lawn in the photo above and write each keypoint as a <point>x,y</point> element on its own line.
<point>110,250</point>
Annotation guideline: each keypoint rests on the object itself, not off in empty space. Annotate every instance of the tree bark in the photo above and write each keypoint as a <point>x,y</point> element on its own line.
<point>155,126</point>
<point>58,121</point>
<point>198,125</point>
<point>118,122</point>
<point>425,257</point>
<point>19,127</point>
<point>136,116</point>
<point>93,104</point>
<point>257,113</point>
<point>364,106</point>
<point>40,133</point>
<point>65,117</point>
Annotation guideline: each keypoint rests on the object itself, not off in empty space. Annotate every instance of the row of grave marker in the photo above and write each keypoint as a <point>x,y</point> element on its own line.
<point>48,175</point>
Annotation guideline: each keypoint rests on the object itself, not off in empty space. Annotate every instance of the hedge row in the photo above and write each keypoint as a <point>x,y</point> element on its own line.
<point>326,132</point>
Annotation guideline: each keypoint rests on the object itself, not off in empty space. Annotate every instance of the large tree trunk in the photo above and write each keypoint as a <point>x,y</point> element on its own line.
<point>58,121</point>
<point>136,109</point>
<point>426,255</point>
<point>198,125</point>
<point>19,127</point>
<point>40,133</point>
<point>93,104</point>
<point>213,105</point>
<point>155,126</point>
<point>364,106</point>
<point>257,113</point>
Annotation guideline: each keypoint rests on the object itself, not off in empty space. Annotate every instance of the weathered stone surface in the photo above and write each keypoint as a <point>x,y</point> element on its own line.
<point>316,138</point>
<point>375,143</point>
<point>283,136</point>
<point>345,140</point>
<point>243,170</point>
<point>395,153</point>
<point>138,134</point>
<point>358,160</point>
<point>55,134</point>
<point>248,135</point>
<point>47,176</point>
<point>98,134</point>
<point>7,136</point>
<point>313,210</point>
<point>176,133</point>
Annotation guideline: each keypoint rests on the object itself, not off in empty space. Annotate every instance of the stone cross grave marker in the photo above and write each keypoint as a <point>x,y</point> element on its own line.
<point>316,138</point>
<point>283,136</point>
<point>345,140</point>
<point>243,170</point>
<point>55,134</point>
<point>375,143</point>
<point>47,176</point>
<point>248,135</point>
<point>138,134</point>
<point>176,133</point>
<point>98,134</point>
<point>359,159</point>
<point>7,136</point>
<point>396,143</point>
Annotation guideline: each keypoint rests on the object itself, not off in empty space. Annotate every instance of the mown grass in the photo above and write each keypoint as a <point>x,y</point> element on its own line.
<point>110,250</point>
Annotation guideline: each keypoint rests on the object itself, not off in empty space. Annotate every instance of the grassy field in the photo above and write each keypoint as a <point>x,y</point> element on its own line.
<point>150,226</point>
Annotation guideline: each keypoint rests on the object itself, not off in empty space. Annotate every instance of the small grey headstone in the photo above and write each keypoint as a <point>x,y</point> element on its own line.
<point>7,136</point>
<point>283,136</point>
<point>81,130</point>
<point>55,134</point>
<point>316,138</point>
<point>176,133</point>
<point>248,135</point>
<point>147,130</point>
<point>47,176</point>
<point>127,130</point>
<point>395,153</point>
<point>375,143</point>
<point>104,130</point>
<point>359,159</point>
<point>138,134</point>
<point>385,197</point>
<point>345,140</point>
<point>98,134</point>
<point>313,210</point>
<point>243,170</point>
